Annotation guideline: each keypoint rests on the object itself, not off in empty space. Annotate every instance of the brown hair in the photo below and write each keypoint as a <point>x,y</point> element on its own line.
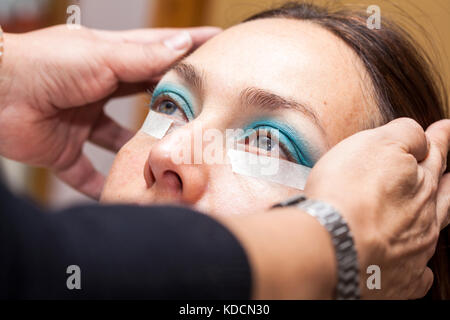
<point>405,81</point>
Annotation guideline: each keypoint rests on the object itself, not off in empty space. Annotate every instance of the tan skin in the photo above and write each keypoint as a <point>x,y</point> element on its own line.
<point>322,74</point>
<point>283,260</point>
<point>86,70</point>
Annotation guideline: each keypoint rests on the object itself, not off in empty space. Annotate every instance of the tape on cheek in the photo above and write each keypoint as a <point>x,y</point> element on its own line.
<point>268,168</point>
<point>156,124</point>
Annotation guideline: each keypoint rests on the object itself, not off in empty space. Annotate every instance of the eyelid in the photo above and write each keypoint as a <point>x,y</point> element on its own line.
<point>169,89</point>
<point>290,156</point>
<point>184,107</point>
<point>301,157</point>
<point>282,145</point>
<point>256,133</point>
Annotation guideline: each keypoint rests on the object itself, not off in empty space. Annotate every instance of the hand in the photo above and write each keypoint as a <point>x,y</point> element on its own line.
<point>55,82</point>
<point>389,185</point>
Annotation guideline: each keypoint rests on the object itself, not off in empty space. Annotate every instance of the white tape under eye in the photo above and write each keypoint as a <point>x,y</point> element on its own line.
<point>269,168</point>
<point>156,124</point>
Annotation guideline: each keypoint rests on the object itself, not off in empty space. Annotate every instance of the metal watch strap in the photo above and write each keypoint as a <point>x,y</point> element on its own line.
<point>346,256</point>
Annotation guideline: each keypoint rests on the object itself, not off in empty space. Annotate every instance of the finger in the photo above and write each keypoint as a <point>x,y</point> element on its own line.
<point>109,134</point>
<point>199,35</point>
<point>82,176</point>
<point>133,62</point>
<point>439,135</point>
<point>443,201</point>
<point>424,284</point>
<point>409,134</point>
<point>126,88</point>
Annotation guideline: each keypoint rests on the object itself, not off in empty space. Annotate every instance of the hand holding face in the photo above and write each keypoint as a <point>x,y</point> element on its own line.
<point>55,82</point>
<point>390,186</point>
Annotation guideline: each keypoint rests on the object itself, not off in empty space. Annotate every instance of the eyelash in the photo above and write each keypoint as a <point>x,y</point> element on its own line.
<point>165,97</point>
<point>289,156</point>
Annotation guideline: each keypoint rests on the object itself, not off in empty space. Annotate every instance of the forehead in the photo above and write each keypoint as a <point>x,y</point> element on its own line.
<point>295,59</point>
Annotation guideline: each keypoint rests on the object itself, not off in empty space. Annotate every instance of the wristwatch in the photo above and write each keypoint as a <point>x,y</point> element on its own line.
<point>347,259</point>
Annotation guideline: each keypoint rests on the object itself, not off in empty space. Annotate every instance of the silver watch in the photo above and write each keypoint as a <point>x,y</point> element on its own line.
<point>347,260</point>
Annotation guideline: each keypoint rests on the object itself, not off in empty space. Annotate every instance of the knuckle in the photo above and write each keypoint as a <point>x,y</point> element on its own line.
<point>432,184</point>
<point>430,251</point>
<point>411,163</point>
<point>411,125</point>
<point>411,173</point>
<point>440,157</point>
<point>434,236</point>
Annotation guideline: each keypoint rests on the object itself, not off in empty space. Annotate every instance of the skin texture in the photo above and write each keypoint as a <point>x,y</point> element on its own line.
<point>395,224</point>
<point>398,167</point>
<point>307,64</point>
<point>47,124</point>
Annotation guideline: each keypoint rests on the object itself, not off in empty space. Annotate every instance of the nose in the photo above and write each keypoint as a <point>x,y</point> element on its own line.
<point>173,177</point>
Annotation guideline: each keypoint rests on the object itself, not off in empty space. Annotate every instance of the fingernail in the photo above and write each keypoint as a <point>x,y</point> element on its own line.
<point>179,42</point>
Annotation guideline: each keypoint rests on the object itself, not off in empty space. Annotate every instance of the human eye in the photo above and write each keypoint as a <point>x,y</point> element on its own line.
<point>266,141</point>
<point>172,102</point>
<point>277,141</point>
<point>166,105</point>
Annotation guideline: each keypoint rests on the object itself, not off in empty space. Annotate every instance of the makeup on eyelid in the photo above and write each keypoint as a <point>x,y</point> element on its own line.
<point>297,147</point>
<point>180,95</point>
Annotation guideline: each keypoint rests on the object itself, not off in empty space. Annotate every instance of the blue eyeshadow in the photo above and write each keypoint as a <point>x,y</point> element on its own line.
<point>290,139</point>
<point>177,93</point>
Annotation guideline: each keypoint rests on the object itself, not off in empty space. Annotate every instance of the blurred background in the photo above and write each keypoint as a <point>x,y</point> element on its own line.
<point>26,15</point>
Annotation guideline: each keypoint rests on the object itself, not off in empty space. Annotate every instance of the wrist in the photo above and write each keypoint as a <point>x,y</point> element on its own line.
<point>359,224</point>
<point>290,253</point>
<point>348,269</point>
<point>321,275</point>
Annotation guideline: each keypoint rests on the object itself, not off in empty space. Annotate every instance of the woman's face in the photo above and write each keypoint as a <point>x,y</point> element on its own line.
<point>285,74</point>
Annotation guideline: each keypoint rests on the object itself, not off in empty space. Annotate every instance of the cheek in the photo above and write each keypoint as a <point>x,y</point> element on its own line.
<point>230,193</point>
<point>125,182</point>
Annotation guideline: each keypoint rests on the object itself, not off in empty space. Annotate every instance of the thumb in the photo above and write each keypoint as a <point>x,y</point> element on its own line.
<point>136,62</point>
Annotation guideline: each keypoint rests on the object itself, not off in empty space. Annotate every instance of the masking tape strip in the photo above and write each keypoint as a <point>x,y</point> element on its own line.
<point>156,125</point>
<point>268,168</point>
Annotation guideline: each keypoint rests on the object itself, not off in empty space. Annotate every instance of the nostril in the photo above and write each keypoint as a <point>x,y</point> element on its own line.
<point>148,175</point>
<point>173,180</point>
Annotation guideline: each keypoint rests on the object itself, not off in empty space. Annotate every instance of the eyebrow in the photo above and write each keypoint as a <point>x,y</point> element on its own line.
<point>249,96</point>
<point>189,74</point>
<point>268,100</point>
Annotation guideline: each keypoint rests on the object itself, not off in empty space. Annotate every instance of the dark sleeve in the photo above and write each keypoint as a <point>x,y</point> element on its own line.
<point>123,252</point>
